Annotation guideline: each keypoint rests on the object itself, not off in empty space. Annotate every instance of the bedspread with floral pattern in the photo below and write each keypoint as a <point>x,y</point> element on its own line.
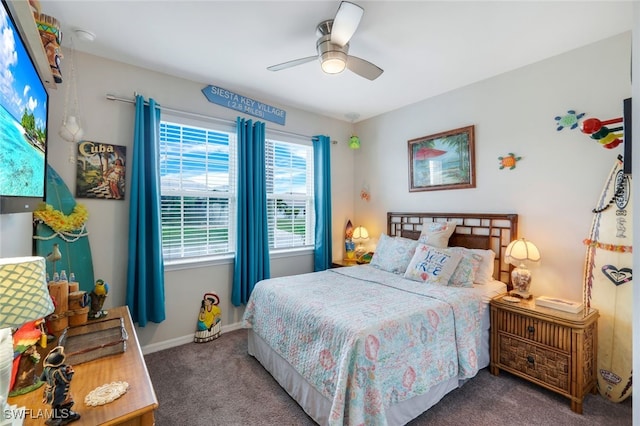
<point>365,338</point>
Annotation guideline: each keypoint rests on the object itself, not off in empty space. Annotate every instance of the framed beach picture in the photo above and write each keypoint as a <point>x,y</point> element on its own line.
<point>445,160</point>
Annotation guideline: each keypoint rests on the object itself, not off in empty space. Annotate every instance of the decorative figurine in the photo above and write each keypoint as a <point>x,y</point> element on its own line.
<point>98,296</point>
<point>26,358</point>
<point>57,376</point>
<point>209,322</point>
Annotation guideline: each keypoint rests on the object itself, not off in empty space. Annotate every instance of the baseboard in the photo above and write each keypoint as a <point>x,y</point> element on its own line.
<point>183,340</point>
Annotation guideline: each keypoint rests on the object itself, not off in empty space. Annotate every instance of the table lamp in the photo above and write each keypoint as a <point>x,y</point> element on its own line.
<point>24,297</point>
<point>517,253</point>
<point>360,234</point>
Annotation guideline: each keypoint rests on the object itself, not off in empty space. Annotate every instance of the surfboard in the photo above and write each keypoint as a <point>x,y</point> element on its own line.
<point>608,283</point>
<point>76,252</point>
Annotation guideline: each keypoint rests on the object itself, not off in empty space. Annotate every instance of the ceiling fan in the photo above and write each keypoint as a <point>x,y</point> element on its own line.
<point>333,45</point>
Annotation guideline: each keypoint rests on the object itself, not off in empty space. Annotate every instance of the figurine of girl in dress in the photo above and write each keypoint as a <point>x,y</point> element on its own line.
<point>209,324</point>
<point>57,377</point>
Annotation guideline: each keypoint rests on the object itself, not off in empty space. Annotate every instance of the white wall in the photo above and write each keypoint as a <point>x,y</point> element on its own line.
<point>555,185</point>
<point>112,122</point>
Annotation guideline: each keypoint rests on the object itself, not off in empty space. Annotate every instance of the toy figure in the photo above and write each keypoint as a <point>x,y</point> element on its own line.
<point>98,296</point>
<point>209,324</point>
<point>57,376</point>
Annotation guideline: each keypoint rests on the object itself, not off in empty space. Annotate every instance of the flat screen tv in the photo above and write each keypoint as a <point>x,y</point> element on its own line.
<point>23,123</point>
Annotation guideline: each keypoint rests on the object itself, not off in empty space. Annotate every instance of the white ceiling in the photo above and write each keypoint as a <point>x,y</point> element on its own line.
<point>425,47</point>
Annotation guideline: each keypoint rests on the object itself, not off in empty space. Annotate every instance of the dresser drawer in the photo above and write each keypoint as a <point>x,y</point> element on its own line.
<point>535,330</point>
<point>536,361</point>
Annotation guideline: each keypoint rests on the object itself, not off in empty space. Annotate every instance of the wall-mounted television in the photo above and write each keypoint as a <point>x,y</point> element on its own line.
<point>23,123</point>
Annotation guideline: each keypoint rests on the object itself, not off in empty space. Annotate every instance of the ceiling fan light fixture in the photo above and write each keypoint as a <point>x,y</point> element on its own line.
<point>333,64</point>
<point>333,58</point>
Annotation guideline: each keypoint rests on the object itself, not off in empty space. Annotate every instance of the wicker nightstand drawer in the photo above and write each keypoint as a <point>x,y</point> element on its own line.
<point>552,348</point>
<point>536,361</point>
<point>544,332</point>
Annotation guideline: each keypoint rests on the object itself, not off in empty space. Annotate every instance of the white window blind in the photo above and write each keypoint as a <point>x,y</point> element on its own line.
<point>198,179</point>
<point>290,198</point>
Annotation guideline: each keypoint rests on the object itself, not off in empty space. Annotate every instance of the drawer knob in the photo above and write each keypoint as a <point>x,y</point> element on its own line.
<point>531,329</point>
<point>530,359</point>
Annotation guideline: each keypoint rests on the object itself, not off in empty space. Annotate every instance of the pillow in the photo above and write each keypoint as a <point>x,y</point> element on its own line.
<point>432,265</point>
<point>483,268</point>
<point>464,275</point>
<point>436,234</point>
<point>393,254</point>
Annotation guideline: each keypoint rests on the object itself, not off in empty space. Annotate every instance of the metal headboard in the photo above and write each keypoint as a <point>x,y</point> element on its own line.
<point>473,230</point>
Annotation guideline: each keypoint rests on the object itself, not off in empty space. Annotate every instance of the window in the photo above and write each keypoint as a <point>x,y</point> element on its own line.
<point>198,179</point>
<point>289,173</point>
<point>198,190</point>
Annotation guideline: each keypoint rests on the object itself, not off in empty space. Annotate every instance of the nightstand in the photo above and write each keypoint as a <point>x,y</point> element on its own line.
<point>343,262</point>
<point>551,348</point>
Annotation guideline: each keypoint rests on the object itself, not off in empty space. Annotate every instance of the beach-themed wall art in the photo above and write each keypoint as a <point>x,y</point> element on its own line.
<point>444,160</point>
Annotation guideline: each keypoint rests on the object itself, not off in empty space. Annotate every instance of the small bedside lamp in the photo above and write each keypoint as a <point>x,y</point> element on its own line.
<point>360,234</point>
<point>517,253</point>
<point>24,297</point>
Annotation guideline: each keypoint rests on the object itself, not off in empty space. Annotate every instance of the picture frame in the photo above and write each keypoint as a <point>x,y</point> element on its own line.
<point>444,160</point>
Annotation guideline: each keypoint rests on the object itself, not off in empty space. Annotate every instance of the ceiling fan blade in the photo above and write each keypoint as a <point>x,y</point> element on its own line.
<point>345,23</point>
<point>363,68</point>
<point>293,63</point>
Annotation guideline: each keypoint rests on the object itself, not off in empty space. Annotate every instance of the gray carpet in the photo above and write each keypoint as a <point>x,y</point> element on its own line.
<point>218,383</point>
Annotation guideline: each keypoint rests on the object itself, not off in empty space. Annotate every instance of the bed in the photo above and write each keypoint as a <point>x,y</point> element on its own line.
<point>374,345</point>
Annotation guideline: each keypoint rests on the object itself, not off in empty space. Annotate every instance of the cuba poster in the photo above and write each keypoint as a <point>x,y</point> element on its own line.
<point>100,170</point>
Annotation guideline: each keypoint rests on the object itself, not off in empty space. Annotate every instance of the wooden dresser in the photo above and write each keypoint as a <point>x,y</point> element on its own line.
<point>135,407</point>
<point>549,347</point>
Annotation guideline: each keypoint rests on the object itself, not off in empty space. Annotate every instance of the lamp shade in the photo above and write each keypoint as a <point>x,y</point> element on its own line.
<point>24,295</point>
<point>360,233</point>
<point>521,250</point>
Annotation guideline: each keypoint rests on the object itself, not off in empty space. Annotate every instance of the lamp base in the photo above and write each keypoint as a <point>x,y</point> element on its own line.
<point>521,280</point>
<point>520,294</point>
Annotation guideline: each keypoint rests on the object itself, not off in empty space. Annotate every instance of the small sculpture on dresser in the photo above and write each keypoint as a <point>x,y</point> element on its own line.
<point>98,296</point>
<point>57,376</point>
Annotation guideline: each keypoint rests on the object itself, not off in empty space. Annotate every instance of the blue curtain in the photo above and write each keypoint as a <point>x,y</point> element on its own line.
<point>252,240</point>
<point>322,193</point>
<point>145,274</point>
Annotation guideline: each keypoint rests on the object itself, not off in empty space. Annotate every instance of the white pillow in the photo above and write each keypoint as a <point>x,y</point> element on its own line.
<point>432,265</point>
<point>393,254</point>
<point>437,234</point>
<point>483,269</point>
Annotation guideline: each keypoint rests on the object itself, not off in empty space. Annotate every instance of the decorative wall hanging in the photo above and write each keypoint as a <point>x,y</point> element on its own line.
<point>50,35</point>
<point>226,98</point>
<point>354,141</point>
<point>71,129</point>
<point>569,120</point>
<point>598,130</point>
<point>365,194</point>
<point>100,171</point>
<point>508,161</point>
<point>444,160</point>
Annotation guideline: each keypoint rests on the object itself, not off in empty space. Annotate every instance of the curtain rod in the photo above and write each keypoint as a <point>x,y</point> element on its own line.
<point>198,115</point>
